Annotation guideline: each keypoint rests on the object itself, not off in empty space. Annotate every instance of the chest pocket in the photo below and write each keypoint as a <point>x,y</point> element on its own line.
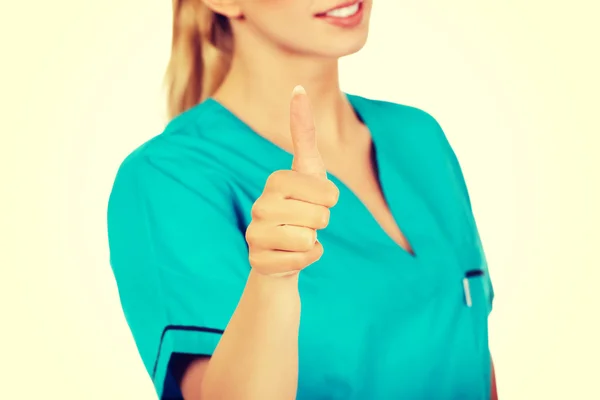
<point>478,306</point>
<point>477,296</point>
<point>471,270</point>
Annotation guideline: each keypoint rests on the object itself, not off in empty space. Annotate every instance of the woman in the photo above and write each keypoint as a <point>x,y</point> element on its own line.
<point>213,223</point>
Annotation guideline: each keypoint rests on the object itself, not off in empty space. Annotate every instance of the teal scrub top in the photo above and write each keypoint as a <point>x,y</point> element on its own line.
<point>377,322</point>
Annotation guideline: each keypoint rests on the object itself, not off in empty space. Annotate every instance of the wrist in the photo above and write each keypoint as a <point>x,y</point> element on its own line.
<point>274,284</point>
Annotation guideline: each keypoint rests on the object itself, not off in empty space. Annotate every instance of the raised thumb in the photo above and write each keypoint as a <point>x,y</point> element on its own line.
<point>307,158</point>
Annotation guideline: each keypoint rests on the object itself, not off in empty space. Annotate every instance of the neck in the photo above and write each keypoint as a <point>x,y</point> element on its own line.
<point>258,89</point>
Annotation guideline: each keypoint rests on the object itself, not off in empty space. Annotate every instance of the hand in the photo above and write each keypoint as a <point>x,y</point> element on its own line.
<point>282,236</point>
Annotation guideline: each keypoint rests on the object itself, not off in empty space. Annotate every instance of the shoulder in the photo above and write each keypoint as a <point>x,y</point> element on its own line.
<point>178,165</point>
<point>185,150</point>
<point>417,134</point>
<point>404,125</point>
<point>400,119</point>
<point>395,111</point>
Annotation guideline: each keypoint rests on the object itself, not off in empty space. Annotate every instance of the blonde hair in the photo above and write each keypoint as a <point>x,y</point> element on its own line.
<point>200,55</point>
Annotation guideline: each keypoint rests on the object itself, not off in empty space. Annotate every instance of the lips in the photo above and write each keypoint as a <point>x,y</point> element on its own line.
<point>343,10</point>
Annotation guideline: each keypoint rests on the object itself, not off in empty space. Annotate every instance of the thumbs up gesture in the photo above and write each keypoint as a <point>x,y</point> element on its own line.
<point>282,237</point>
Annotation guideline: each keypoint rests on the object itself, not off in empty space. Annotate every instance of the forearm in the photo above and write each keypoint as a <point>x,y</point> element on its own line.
<point>257,356</point>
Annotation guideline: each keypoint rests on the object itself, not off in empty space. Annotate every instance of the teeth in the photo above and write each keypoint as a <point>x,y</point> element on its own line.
<point>344,12</point>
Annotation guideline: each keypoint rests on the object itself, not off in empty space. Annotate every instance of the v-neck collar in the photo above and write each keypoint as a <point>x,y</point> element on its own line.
<point>409,211</point>
<point>420,274</point>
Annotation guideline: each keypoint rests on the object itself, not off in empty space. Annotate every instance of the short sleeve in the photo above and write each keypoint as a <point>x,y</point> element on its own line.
<point>179,258</point>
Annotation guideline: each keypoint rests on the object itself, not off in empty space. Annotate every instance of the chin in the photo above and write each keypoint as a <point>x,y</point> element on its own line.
<point>343,48</point>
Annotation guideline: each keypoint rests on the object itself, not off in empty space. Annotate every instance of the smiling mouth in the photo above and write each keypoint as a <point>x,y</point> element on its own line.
<point>343,11</point>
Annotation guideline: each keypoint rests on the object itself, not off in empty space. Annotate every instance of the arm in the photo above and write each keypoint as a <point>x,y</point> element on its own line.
<point>186,287</point>
<point>257,355</point>
<point>181,263</point>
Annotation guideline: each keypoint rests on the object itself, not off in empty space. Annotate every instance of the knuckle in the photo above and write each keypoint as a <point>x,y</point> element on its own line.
<point>248,235</point>
<point>253,260</point>
<point>272,181</point>
<point>318,253</point>
<point>322,218</point>
<point>311,257</point>
<point>251,235</point>
<point>332,194</point>
<point>308,239</point>
<point>303,239</point>
<point>259,209</point>
<point>298,262</point>
<point>257,262</point>
<point>310,130</point>
<point>277,179</point>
